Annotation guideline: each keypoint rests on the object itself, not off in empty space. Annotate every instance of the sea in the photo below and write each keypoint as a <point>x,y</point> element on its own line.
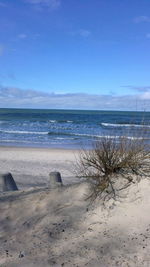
<point>70,129</point>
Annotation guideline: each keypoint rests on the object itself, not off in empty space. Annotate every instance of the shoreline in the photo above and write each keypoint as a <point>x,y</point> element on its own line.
<point>19,147</point>
<point>57,147</point>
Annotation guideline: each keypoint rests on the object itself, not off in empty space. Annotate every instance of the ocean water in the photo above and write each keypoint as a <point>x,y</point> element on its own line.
<point>68,128</point>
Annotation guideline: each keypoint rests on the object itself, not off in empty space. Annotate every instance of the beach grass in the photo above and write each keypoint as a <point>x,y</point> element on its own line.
<point>112,165</point>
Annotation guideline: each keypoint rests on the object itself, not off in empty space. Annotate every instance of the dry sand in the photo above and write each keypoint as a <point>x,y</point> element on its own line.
<point>42,227</point>
<point>31,166</point>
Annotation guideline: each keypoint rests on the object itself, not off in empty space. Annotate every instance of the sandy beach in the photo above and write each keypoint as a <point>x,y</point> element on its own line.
<point>43,227</point>
<point>30,167</point>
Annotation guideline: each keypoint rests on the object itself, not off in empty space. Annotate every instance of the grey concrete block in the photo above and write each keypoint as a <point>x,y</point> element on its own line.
<point>7,183</point>
<point>55,180</point>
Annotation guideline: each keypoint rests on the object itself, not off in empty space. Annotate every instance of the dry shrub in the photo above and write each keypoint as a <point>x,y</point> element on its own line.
<point>113,164</point>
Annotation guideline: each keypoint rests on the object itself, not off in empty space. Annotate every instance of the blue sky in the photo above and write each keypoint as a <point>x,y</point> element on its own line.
<point>97,53</point>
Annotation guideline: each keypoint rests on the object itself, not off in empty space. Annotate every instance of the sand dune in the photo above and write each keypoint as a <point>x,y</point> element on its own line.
<point>43,227</point>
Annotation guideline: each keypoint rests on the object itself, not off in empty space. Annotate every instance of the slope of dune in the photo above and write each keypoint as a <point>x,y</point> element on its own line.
<point>42,227</point>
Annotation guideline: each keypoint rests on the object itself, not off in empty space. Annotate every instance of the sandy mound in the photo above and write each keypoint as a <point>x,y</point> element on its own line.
<point>58,228</point>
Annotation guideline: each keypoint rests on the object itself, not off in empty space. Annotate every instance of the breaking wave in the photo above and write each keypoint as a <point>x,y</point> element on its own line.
<point>113,125</point>
<point>21,132</point>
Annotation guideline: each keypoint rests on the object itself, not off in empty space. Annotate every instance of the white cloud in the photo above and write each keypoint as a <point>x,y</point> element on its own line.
<point>144,91</point>
<point>140,19</point>
<point>145,96</point>
<point>40,4</point>
<point>138,88</point>
<point>15,97</point>
<point>22,36</point>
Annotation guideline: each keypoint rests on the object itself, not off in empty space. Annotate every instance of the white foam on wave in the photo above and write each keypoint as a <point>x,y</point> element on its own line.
<point>62,138</point>
<point>59,121</point>
<point>52,121</point>
<point>72,134</point>
<point>17,141</point>
<point>124,125</point>
<point>112,136</point>
<point>22,132</point>
<point>119,137</point>
<point>94,135</point>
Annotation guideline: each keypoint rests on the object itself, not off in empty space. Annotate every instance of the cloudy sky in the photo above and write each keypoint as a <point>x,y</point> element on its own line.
<point>75,54</point>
